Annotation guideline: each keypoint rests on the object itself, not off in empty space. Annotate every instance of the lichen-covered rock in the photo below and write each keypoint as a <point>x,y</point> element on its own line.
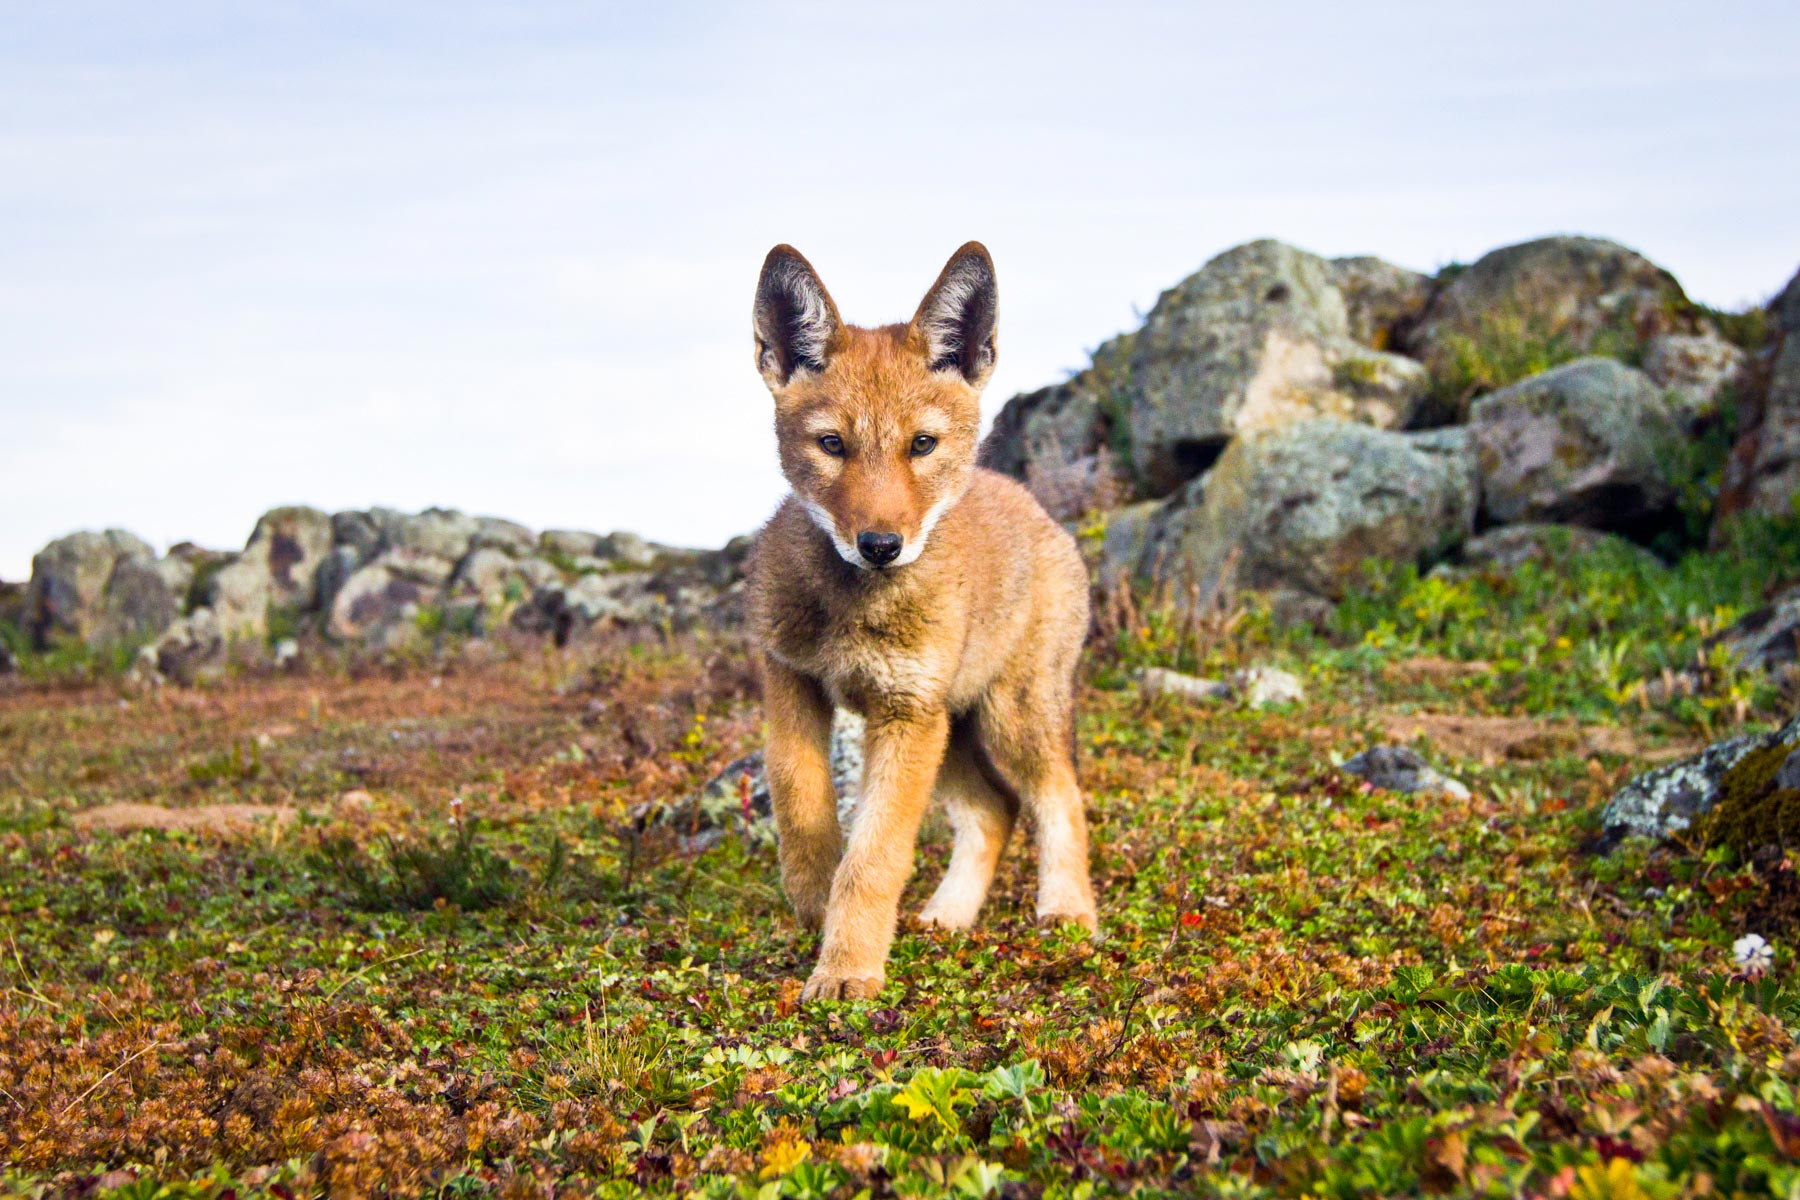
<point>138,605</point>
<point>1579,294</point>
<point>1591,442</point>
<point>439,533</point>
<point>1694,370</point>
<point>1305,506</point>
<point>381,603</point>
<point>191,649</point>
<point>1402,769</point>
<point>1256,339</point>
<point>1381,301</point>
<point>570,543</point>
<point>718,808</point>
<point>1763,475</point>
<point>494,580</point>
<point>1261,336</point>
<point>70,577</point>
<point>278,568</point>
<point>1671,799</point>
<point>508,537</point>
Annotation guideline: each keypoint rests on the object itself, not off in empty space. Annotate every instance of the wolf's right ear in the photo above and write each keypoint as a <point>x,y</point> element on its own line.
<point>794,320</point>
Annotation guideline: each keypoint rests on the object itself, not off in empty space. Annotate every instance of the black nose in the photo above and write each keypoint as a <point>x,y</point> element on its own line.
<point>879,548</point>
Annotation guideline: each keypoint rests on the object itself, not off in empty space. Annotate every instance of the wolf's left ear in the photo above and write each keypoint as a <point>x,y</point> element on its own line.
<point>957,318</point>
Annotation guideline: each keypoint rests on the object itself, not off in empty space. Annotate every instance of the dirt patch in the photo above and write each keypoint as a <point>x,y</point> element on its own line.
<point>1493,740</point>
<point>1431,669</point>
<point>212,818</point>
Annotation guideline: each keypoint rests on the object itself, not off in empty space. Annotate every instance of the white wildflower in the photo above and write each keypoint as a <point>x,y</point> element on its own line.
<point>1753,953</point>
<point>455,811</point>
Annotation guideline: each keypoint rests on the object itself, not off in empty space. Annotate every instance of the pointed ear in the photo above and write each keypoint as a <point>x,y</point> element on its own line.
<point>794,320</point>
<point>956,320</point>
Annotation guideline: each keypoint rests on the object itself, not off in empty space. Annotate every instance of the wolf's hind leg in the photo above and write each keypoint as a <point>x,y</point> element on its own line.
<point>1028,736</point>
<point>982,817</point>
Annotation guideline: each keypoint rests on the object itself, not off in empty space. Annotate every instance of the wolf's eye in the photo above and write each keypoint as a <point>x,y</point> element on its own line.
<point>923,444</point>
<point>832,444</point>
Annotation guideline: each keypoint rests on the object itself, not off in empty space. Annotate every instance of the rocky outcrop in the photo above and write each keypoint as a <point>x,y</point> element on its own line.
<point>1303,507</point>
<point>379,579</point>
<point>1592,442</point>
<point>1570,295</point>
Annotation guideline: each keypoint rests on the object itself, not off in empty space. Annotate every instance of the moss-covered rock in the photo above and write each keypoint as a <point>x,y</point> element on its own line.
<point>1685,795</point>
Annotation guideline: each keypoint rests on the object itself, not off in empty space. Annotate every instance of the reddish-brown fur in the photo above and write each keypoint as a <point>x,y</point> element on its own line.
<point>960,654</point>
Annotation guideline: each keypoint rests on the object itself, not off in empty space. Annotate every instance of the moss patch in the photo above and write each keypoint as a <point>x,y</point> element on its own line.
<point>1752,812</point>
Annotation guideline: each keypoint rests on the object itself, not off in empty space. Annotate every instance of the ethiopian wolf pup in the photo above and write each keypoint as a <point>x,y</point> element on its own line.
<point>937,599</point>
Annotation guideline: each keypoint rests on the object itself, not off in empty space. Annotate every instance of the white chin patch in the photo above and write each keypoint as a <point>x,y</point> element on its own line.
<point>846,550</point>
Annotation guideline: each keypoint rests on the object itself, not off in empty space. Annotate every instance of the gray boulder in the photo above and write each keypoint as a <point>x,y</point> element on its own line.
<point>278,568</point>
<point>572,543</point>
<point>1070,422</point>
<point>1512,546</point>
<point>1694,370</point>
<point>380,604</point>
<point>1669,799</point>
<point>1256,339</point>
<point>1763,475</point>
<point>440,533</point>
<point>1381,301</point>
<point>1568,294</point>
<point>508,537</point>
<point>1767,639</point>
<point>1305,506</point>
<point>1591,442</point>
<point>70,579</point>
<point>190,650</point>
<point>1260,336</point>
<point>138,606</point>
<point>492,583</point>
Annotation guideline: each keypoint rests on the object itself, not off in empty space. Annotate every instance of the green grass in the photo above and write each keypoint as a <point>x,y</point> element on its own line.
<point>1511,344</point>
<point>1305,988</point>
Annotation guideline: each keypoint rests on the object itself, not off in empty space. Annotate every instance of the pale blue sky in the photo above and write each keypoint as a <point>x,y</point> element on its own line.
<point>500,257</point>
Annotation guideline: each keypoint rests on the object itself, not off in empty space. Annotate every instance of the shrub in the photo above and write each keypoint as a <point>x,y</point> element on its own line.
<point>457,869</point>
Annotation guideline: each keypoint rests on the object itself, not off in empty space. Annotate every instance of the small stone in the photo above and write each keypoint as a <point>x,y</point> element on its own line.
<point>1265,687</point>
<point>1160,681</point>
<point>1402,769</point>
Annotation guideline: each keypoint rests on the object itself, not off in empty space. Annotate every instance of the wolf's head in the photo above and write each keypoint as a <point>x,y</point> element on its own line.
<point>877,427</point>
